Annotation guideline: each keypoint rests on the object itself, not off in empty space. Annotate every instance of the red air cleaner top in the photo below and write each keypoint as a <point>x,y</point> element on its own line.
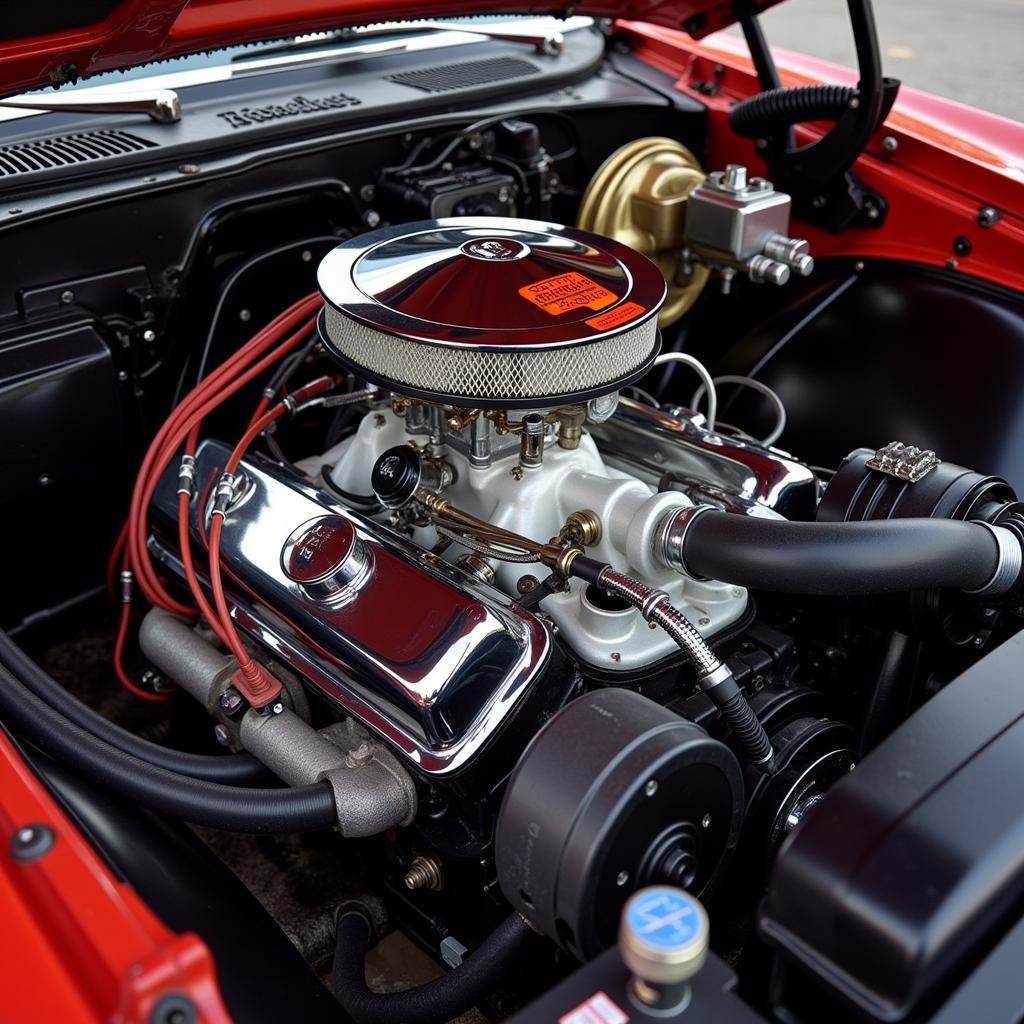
<point>491,312</point>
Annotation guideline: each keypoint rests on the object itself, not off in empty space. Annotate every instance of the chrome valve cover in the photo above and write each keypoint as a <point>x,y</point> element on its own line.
<point>413,648</point>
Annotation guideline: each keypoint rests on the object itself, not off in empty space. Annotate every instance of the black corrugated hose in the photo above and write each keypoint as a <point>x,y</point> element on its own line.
<point>229,769</point>
<point>232,808</point>
<point>437,1001</point>
<point>767,112</point>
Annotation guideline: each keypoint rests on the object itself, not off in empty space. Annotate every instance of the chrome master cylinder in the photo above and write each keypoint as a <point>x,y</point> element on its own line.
<point>735,224</point>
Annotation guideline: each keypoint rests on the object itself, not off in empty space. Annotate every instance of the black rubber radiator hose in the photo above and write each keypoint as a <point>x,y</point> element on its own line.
<point>887,556</point>
<point>230,769</point>
<point>767,112</point>
<point>436,1001</point>
<point>235,809</point>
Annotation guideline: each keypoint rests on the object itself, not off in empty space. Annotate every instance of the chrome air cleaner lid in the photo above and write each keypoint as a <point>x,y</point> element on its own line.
<point>491,312</point>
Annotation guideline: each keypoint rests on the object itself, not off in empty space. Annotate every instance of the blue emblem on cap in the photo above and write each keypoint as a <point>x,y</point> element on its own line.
<point>664,917</point>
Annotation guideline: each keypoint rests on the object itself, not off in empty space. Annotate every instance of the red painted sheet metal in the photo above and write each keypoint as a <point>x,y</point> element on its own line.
<point>76,944</point>
<point>950,160</point>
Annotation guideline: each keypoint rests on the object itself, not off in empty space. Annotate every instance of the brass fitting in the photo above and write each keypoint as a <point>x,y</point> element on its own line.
<point>582,527</point>
<point>570,425</point>
<point>462,418</point>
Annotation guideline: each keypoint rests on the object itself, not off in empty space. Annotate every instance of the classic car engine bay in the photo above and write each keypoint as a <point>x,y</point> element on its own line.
<point>507,509</point>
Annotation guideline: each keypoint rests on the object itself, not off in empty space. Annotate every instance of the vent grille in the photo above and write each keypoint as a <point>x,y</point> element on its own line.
<point>65,150</point>
<point>449,77</point>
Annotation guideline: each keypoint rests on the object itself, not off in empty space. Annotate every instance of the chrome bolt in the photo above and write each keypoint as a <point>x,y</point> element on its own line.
<point>67,296</point>
<point>221,735</point>
<point>987,216</point>
<point>244,315</point>
<point>44,479</point>
<point>278,708</point>
<point>149,336</point>
<point>705,822</point>
<point>622,878</point>
<point>651,788</point>
<point>371,218</point>
<point>890,144</point>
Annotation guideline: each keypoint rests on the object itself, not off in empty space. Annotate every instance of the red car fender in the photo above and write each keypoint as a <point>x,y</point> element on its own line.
<point>77,944</point>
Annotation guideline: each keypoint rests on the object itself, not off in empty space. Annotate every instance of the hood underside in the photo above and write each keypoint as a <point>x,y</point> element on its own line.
<point>63,40</point>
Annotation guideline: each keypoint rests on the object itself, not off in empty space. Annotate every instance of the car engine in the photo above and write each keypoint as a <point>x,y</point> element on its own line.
<point>461,616</point>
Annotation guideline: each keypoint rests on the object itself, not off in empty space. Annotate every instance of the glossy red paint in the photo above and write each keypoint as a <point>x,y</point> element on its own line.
<point>144,30</point>
<point>949,161</point>
<point>77,945</point>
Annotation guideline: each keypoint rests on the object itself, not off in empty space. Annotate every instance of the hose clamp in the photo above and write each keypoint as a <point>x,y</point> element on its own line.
<point>1008,565</point>
<point>651,603</point>
<point>715,677</point>
<point>671,538</point>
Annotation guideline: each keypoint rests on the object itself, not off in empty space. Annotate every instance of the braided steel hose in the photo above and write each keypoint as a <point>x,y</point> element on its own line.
<point>714,677</point>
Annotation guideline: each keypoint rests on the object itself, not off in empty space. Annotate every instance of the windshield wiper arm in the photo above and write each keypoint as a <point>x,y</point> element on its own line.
<point>548,42</point>
<point>162,105</point>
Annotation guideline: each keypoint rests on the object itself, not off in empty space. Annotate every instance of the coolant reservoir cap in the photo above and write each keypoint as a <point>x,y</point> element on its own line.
<point>491,312</point>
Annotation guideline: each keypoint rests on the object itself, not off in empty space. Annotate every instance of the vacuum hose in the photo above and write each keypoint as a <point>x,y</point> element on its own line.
<point>440,1000</point>
<point>234,809</point>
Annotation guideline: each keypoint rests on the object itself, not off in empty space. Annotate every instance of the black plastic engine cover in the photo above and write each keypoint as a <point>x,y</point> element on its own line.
<point>912,867</point>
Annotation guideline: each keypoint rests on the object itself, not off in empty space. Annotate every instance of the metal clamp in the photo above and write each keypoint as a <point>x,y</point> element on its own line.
<point>1008,565</point>
<point>670,538</point>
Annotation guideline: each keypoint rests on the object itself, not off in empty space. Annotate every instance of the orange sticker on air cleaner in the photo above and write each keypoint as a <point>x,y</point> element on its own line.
<point>617,316</point>
<point>565,292</point>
